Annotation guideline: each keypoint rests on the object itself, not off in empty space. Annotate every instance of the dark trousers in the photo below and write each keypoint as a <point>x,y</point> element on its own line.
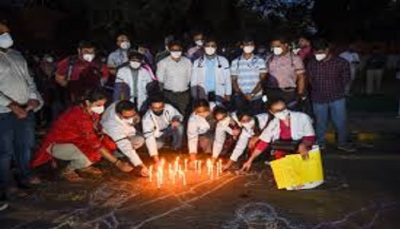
<point>17,140</point>
<point>179,100</point>
<point>289,95</point>
<point>256,106</point>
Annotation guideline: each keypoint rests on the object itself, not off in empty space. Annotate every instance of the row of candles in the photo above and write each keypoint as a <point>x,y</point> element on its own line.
<point>177,171</point>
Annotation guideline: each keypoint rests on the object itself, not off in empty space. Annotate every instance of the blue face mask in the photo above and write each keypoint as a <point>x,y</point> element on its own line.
<point>6,41</point>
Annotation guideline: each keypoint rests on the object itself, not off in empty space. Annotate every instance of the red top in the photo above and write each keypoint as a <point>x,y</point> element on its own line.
<point>79,66</point>
<point>75,126</point>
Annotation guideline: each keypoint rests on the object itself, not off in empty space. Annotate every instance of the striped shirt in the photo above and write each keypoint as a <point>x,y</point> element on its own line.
<point>16,85</point>
<point>117,58</point>
<point>248,72</point>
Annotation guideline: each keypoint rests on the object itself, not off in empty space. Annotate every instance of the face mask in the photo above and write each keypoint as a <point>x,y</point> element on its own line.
<point>176,54</point>
<point>320,57</point>
<point>210,51</point>
<point>296,51</point>
<point>98,110</point>
<point>49,59</point>
<point>88,57</point>
<point>158,113</point>
<point>199,42</point>
<point>128,121</point>
<point>135,64</point>
<point>248,49</point>
<point>6,41</point>
<point>248,125</point>
<point>125,45</point>
<point>281,115</point>
<point>277,51</point>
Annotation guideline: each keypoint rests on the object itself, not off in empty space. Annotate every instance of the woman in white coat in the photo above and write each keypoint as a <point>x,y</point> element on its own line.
<point>132,81</point>
<point>199,131</point>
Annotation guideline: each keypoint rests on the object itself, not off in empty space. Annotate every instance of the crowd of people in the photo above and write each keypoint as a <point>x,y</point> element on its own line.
<point>252,100</point>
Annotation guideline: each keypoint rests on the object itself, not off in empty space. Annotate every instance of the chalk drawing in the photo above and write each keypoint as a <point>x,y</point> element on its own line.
<point>258,215</point>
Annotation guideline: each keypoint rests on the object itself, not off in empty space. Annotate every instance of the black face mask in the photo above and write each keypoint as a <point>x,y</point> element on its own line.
<point>158,113</point>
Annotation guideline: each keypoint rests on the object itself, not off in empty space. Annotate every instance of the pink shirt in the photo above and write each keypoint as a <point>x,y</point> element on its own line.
<point>283,70</point>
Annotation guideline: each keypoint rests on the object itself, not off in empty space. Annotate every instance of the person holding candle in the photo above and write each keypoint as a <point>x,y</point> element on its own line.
<point>251,126</point>
<point>288,128</point>
<point>118,122</point>
<point>76,137</point>
<point>199,129</point>
<point>161,121</point>
<point>227,125</point>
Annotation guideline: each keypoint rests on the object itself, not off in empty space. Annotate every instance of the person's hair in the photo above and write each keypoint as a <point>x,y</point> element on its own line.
<point>210,39</point>
<point>133,54</point>
<point>86,45</point>
<point>273,101</point>
<point>306,37</point>
<point>94,95</point>
<point>158,98</point>
<point>124,105</point>
<point>121,34</point>
<point>282,38</point>
<point>174,43</point>
<point>241,113</point>
<point>219,110</point>
<point>201,103</point>
<point>320,44</point>
<point>247,39</point>
<point>3,21</point>
<point>197,32</point>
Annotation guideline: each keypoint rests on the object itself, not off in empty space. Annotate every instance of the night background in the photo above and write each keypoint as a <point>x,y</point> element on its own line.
<point>361,188</point>
<point>62,23</point>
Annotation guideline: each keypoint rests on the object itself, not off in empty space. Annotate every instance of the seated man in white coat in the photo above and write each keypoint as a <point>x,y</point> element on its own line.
<point>199,131</point>
<point>132,81</point>
<point>287,126</point>
<point>211,79</point>
<point>251,128</point>
<point>118,122</point>
<point>161,121</point>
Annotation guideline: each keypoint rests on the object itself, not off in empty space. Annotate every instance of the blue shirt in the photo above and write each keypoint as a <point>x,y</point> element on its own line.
<point>248,72</point>
<point>210,74</point>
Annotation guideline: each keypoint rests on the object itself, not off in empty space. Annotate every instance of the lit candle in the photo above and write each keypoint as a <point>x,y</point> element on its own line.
<point>186,161</point>
<point>199,167</point>
<point>196,165</point>
<point>183,176</point>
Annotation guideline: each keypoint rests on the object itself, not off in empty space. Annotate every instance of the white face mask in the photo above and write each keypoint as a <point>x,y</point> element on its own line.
<point>128,121</point>
<point>199,42</point>
<point>135,64</point>
<point>296,51</point>
<point>249,125</point>
<point>88,57</point>
<point>98,109</point>
<point>320,57</point>
<point>125,45</point>
<point>176,54</point>
<point>277,51</point>
<point>49,59</point>
<point>210,50</point>
<point>248,49</point>
<point>282,115</point>
<point>6,41</point>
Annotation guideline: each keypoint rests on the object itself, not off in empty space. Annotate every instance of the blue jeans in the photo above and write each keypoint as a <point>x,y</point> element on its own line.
<point>337,111</point>
<point>177,137</point>
<point>17,140</point>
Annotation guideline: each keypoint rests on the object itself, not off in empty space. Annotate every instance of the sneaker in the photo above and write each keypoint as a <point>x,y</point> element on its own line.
<point>347,148</point>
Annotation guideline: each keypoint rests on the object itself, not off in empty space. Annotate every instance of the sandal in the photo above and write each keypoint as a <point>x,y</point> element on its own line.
<point>72,176</point>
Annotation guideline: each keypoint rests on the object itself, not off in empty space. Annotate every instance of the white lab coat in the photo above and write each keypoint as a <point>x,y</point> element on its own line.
<point>153,126</point>
<point>300,126</point>
<point>124,75</point>
<point>120,132</point>
<point>246,134</point>
<point>197,125</point>
<point>221,130</point>
<point>223,78</point>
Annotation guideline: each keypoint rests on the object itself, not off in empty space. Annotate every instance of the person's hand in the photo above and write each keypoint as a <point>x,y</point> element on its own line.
<point>124,166</point>
<point>236,132</point>
<point>246,166</point>
<point>32,104</point>
<point>303,151</point>
<point>227,98</point>
<point>20,112</point>
<point>248,97</point>
<point>144,171</point>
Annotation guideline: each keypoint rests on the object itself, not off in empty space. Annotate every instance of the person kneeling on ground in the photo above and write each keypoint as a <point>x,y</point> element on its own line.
<point>288,127</point>
<point>251,128</point>
<point>199,131</point>
<point>160,122</point>
<point>118,122</point>
<point>75,137</point>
